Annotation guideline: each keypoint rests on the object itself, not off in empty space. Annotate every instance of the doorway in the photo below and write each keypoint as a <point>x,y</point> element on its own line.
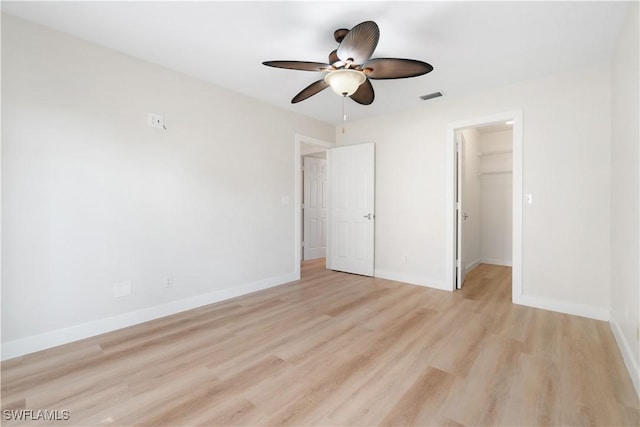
<point>314,205</point>
<point>311,148</point>
<point>457,265</point>
<point>350,214</point>
<point>484,193</point>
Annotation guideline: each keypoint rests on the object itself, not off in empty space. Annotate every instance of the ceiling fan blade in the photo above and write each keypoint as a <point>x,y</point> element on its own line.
<point>310,90</point>
<point>339,34</point>
<point>364,95</point>
<point>359,43</point>
<point>333,57</point>
<point>394,68</point>
<point>298,65</point>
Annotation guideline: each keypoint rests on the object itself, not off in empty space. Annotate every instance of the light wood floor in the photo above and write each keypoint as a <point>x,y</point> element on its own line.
<point>339,349</point>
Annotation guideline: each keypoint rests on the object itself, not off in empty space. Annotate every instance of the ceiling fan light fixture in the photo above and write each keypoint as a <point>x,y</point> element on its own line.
<point>345,82</point>
<point>350,69</point>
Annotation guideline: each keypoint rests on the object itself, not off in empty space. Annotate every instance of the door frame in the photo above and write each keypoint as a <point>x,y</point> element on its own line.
<point>450,258</point>
<point>297,241</point>
<point>459,189</point>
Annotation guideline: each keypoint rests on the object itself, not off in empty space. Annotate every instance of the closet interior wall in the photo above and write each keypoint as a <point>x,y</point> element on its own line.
<point>496,197</point>
<point>487,193</point>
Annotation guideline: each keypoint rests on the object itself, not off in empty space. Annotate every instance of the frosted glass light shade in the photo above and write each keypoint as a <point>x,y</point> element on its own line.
<point>345,82</point>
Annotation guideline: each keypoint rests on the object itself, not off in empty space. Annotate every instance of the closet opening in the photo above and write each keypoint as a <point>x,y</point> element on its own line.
<point>484,198</point>
<point>484,193</point>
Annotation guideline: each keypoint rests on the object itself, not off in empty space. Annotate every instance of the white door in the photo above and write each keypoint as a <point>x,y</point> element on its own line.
<point>351,208</point>
<point>460,213</point>
<point>314,208</point>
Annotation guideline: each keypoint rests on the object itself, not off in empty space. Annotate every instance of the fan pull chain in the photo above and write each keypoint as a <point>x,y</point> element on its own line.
<point>344,114</point>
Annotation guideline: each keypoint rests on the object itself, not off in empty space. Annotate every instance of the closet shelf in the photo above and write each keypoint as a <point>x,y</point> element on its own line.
<point>494,173</point>
<point>493,153</point>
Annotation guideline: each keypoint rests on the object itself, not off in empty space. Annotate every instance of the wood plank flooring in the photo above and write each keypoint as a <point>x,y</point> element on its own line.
<point>338,349</point>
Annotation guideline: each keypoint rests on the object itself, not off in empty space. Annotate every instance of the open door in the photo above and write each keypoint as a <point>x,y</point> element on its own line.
<point>351,209</point>
<point>461,216</point>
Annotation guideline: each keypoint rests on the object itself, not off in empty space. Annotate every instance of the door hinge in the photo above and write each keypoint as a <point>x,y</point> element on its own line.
<point>303,206</point>
<point>302,244</point>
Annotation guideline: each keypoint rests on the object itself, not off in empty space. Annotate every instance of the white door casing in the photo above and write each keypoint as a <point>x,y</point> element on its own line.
<point>351,208</point>
<point>314,208</point>
<point>460,213</point>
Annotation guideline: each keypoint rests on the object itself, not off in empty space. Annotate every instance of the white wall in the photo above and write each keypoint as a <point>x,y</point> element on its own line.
<point>472,226</point>
<point>91,195</point>
<point>625,197</point>
<point>496,199</point>
<point>566,167</point>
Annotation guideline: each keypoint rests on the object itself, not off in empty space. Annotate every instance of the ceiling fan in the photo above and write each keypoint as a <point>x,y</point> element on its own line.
<point>351,68</point>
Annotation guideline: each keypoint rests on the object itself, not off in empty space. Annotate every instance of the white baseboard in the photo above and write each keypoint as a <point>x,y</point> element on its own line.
<point>58,337</point>
<point>564,307</point>
<point>496,261</point>
<point>412,280</point>
<point>627,354</point>
<point>472,265</point>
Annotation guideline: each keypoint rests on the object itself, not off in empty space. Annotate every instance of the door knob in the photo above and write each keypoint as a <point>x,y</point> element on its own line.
<point>368,216</point>
<point>465,216</point>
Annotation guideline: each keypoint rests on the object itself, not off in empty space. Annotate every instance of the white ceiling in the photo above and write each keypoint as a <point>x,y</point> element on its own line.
<point>471,45</point>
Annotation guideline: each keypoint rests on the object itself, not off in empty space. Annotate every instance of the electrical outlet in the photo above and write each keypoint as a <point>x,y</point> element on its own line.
<point>155,120</point>
<point>122,289</point>
<point>168,282</point>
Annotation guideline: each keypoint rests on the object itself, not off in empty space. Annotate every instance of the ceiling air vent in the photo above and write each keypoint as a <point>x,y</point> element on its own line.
<point>431,96</point>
